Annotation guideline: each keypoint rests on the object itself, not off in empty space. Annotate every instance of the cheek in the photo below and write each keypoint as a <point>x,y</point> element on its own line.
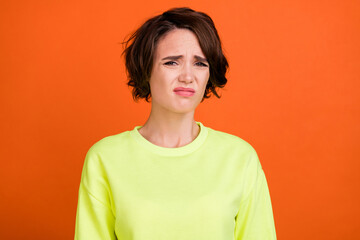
<point>158,86</point>
<point>155,88</point>
<point>206,79</point>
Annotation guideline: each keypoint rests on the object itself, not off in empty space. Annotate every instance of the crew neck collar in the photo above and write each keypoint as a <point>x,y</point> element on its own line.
<point>179,151</point>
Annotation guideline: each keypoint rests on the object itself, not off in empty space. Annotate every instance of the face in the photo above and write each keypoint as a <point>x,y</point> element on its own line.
<point>178,63</point>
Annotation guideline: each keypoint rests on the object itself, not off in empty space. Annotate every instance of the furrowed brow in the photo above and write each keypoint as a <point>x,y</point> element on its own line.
<point>198,58</point>
<point>172,57</point>
<point>201,59</point>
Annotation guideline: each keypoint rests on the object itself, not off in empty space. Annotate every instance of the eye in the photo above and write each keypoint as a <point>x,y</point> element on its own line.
<point>170,63</point>
<point>201,64</point>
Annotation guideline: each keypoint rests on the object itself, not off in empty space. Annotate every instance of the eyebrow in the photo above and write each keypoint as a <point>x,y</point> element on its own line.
<point>180,56</point>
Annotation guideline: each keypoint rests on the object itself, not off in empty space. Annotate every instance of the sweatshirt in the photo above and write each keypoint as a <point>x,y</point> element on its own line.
<point>213,188</point>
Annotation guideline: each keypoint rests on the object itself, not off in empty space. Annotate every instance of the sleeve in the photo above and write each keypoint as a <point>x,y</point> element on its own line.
<point>254,220</point>
<point>94,217</point>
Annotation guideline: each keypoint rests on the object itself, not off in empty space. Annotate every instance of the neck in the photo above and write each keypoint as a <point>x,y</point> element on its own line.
<point>170,129</point>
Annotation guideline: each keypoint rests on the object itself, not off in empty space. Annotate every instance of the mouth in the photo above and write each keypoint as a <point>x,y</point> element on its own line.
<point>185,92</point>
<point>181,89</point>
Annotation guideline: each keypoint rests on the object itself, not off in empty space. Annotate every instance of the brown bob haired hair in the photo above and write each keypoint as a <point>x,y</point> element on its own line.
<point>139,54</point>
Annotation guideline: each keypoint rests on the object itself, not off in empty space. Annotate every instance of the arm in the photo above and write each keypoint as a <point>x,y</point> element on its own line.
<point>254,220</point>
<point>94,217</point>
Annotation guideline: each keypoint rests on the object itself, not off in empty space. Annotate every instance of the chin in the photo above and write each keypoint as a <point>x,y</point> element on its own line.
<point>184,109</point>
<point>181,107</point>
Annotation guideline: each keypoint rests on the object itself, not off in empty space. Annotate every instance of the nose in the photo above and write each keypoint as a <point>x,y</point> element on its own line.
<point>186,74</point>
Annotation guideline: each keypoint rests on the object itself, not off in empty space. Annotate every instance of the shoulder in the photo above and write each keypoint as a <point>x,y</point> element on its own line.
<point>229,140</point>
<point>110,143</point>
<point>235,148</point>
<point>104,152</point>
<point>108,149</point>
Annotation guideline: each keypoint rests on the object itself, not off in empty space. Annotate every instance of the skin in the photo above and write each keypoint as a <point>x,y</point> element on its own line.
<point>171,121</point>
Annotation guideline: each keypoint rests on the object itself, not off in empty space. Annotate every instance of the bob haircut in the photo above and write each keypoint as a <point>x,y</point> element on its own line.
<point>139,54</point>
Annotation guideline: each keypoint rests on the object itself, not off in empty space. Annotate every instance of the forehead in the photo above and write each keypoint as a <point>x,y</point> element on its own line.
<point>178,41</point>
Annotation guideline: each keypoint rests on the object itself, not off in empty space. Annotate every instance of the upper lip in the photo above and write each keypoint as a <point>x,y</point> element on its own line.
<point>184,89</point>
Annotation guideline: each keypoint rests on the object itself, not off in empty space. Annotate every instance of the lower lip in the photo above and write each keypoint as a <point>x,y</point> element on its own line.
<point>184,93</point>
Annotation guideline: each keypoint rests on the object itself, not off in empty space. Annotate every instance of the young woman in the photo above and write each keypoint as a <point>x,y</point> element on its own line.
<point>174,178</point>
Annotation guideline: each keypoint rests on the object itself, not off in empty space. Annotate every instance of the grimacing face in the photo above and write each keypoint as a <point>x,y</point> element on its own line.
<point>178,62</point>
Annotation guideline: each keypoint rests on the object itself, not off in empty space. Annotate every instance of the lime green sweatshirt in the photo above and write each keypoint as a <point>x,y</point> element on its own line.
<point>213,188</point>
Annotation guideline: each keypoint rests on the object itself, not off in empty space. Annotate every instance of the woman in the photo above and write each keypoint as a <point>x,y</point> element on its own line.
<point>173,178</point>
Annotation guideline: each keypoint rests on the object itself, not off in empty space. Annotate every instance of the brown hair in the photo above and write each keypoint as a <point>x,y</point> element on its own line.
<point>139,54</point>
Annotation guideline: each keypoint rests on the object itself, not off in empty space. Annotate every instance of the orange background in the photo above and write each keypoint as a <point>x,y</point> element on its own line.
<point>293,93</point>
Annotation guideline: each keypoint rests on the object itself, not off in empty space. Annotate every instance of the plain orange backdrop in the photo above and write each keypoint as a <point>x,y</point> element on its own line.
<point>293,93</point>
